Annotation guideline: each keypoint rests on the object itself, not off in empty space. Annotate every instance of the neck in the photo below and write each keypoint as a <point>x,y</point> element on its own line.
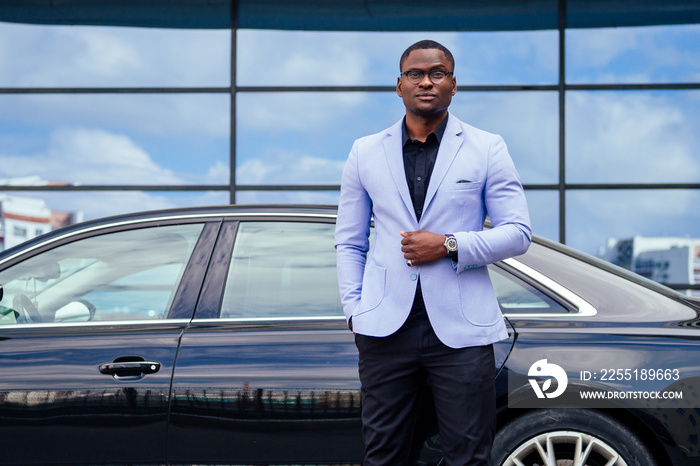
<point>420,126</point>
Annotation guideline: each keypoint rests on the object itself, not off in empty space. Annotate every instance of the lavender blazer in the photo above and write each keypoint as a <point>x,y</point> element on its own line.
<point>473,176</point>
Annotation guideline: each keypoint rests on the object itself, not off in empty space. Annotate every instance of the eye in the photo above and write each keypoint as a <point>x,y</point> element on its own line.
<point>437,74</point>
<point>413,74</point>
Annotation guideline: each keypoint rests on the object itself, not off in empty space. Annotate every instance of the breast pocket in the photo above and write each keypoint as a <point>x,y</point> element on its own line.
<point>465,185</point>
<point>465,193</point>
<point>466,197</point>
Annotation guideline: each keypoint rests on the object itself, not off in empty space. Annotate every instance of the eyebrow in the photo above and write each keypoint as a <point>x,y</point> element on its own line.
<point>435,68</point>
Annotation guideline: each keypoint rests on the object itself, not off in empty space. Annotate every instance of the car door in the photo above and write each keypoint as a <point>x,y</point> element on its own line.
<point>267,371</point>
<point>89,329</point>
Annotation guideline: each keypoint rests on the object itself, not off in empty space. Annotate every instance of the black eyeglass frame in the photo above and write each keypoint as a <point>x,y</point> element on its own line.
<point>429,73</point>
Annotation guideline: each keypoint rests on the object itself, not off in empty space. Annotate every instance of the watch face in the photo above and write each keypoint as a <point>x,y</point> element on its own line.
<point>451,244</point>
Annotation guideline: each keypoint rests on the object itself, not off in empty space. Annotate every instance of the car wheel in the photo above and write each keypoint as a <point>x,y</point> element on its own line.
<point>565,437</point>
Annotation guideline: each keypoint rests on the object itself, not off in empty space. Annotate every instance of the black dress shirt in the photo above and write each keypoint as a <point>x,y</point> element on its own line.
<point>419,161</point>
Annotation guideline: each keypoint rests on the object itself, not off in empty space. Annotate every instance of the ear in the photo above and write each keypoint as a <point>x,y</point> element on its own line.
<point>398,87</point>
<point>454,85</point>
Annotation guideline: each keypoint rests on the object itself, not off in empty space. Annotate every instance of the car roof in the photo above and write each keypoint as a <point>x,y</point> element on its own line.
<point>257,210</point>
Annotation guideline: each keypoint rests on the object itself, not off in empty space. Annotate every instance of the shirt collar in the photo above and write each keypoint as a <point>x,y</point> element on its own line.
<point>439,131</point>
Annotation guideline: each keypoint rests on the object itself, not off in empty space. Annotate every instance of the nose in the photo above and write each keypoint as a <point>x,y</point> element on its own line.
<point>425,82</point>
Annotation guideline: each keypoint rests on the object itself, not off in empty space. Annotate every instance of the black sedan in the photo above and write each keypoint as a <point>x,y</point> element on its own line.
<point>216,335</point>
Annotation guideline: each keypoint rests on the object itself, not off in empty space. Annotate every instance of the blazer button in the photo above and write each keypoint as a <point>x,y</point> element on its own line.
<point>414,277</point>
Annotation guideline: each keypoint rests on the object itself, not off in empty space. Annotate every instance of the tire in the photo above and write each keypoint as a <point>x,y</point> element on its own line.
<point>550,438</point>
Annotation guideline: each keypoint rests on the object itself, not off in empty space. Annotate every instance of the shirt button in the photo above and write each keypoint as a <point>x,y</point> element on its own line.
<point>419,178</point>
<point>419,212</point>
<point>422,149</point>
<point>414,277</point>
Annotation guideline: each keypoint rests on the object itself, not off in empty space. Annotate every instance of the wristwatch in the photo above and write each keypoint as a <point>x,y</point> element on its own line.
<point>450,244</point>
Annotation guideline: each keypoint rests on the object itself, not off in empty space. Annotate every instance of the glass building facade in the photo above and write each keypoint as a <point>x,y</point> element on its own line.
<point>110,108</point>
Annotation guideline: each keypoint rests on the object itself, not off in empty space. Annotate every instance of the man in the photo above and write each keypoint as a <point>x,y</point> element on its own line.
<point>420,302</point>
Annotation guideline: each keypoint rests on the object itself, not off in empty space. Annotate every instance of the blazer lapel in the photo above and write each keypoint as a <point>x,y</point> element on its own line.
<point>394,155</point>
<point>450,144</point>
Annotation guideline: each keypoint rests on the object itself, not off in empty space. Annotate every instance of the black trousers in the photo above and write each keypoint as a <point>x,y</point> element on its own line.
<point>394,371</point>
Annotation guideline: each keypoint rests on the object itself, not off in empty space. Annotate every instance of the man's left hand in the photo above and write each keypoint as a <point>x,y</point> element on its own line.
<point>422,247</point>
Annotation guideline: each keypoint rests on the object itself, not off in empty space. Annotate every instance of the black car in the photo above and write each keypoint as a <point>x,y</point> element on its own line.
<point>216,335</point>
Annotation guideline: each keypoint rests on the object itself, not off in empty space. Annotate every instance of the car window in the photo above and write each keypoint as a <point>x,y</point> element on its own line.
<point>518,297</point>
<point>122,275</point>
<point>288,269</point>
<point>282,269</point>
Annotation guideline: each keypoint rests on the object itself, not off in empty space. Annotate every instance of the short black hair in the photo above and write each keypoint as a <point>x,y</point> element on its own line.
<point>427,45</point>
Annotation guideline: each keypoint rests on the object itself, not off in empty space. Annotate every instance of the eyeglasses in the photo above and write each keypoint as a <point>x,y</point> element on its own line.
<point>436,76</point>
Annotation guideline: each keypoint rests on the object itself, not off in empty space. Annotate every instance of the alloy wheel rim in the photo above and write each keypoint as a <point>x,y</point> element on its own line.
<point>565,448</point>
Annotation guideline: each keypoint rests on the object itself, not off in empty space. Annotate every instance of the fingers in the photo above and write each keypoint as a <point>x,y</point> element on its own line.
<point>411,238</point>
<point>422,247</point>
<point>407,249</point>
<point>407,241</point>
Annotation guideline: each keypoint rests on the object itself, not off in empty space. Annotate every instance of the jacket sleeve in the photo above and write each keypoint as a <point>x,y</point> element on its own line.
<point>352,233</point>
<point>504,200</point>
